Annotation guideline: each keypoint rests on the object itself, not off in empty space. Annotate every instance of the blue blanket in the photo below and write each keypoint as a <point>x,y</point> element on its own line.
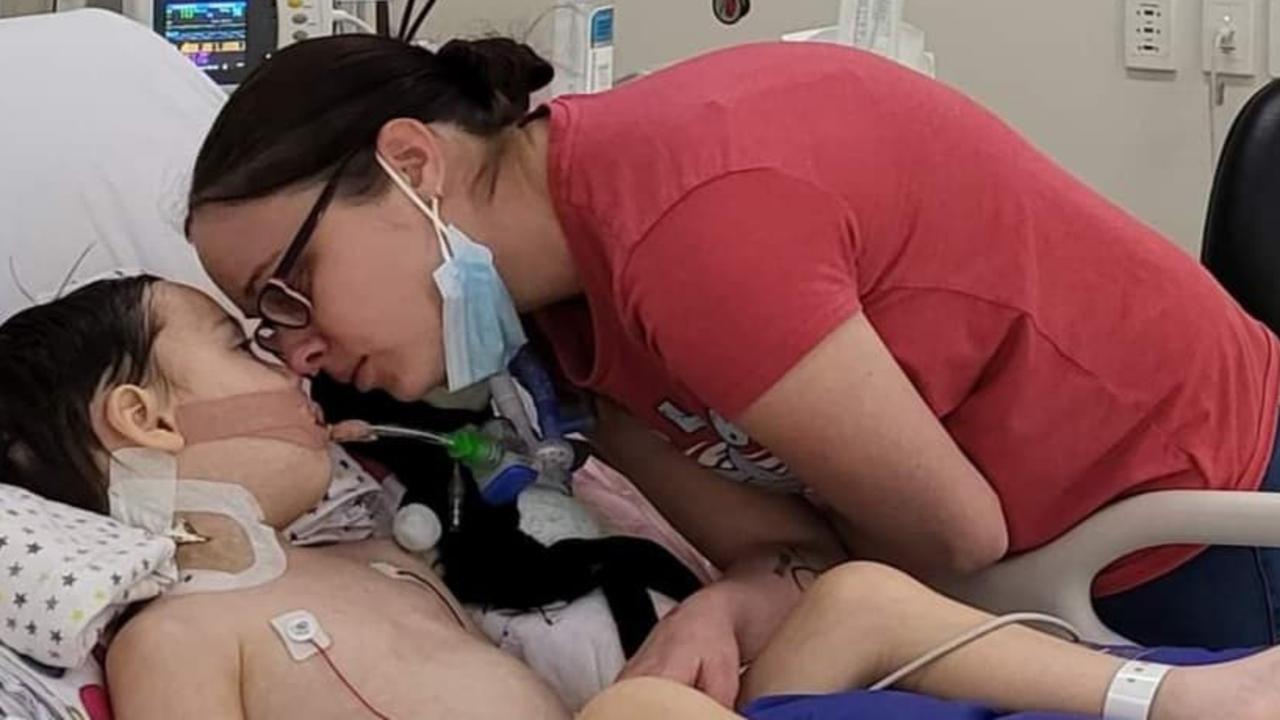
<point>862,705</point>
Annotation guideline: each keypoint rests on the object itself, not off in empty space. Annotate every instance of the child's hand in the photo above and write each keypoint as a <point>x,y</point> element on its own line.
<point>351,431</point>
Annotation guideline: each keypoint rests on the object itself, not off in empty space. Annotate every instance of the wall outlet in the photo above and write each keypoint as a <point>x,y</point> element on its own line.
<point>1229,37</point>
<point>1148,35</point>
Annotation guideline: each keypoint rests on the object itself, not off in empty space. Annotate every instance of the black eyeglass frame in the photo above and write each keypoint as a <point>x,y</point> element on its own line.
<point>277,285</point>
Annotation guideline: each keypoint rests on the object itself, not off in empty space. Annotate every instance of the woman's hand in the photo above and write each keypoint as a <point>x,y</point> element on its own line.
<point>770,545</point>
<point>695,645</point>
<point>704,642</point>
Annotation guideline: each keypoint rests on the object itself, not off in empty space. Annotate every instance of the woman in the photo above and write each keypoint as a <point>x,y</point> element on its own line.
<point>893,326</point>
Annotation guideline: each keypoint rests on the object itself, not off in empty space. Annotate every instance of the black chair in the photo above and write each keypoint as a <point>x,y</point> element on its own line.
<point>1242,230</point>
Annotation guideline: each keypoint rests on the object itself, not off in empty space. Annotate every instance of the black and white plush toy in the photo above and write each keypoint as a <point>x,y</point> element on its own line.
<point>543,549</point>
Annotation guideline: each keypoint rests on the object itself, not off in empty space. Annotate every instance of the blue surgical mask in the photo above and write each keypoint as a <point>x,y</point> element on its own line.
<point>482,331</point>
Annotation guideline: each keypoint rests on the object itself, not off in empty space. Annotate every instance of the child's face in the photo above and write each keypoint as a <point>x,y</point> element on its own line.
<point>202,354</point>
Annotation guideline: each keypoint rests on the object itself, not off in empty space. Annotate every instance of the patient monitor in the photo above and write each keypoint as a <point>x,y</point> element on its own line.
<point>228,38</point>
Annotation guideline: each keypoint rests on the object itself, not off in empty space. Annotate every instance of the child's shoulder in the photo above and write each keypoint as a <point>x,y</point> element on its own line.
<point>167,629</point>
<point>169,659</point>
<point>175,616</point>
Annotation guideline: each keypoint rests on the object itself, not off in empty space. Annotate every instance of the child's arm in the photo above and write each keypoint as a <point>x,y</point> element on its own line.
<point>648,698</point>
<point>161,667</point>
<point>862,621</point>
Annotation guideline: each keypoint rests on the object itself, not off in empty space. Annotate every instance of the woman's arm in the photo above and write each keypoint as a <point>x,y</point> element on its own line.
<point>770,546</point>
<point>750,289</point>
<point>848,421</point>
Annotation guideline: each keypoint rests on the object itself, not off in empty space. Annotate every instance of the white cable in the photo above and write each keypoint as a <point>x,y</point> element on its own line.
<point>551,12</point>
<point>972,636</point>
<point>66,280</point>
<point>1223,42</point>
<point>346,17</point>
<point>1213,113</point>
<point>17,282</point>
<point>542,16</point>
<point>875,28</point>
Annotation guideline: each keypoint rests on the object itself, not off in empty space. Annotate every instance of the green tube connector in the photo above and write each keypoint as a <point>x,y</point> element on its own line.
<point>473,449</point>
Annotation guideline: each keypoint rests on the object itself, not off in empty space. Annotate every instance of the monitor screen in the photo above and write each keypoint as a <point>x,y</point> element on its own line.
<point>214,35</point>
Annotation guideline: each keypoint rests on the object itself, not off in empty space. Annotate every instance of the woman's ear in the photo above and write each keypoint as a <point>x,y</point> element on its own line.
<point>415,151</point>
<point>143,419</point>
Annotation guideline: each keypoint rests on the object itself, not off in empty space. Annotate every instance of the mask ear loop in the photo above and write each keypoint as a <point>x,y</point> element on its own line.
<point>432,211</point>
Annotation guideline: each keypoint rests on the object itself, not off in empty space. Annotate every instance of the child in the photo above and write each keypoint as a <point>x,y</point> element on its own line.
<point>119,366</point>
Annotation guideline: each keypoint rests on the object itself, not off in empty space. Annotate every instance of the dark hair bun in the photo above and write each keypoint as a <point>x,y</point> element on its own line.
<point>498,73</point>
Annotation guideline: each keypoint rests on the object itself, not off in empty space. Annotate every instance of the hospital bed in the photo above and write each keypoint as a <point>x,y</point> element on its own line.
<point>100,126</point>
<point>95,149</point>
<point>102,122</point>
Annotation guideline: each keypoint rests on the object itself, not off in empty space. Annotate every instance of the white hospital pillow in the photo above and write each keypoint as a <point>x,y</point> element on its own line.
<point>66,573</point>
<point>101,125</point>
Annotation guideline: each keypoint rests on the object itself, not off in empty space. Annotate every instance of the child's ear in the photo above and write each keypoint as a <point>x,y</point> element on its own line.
<point>142,418</point>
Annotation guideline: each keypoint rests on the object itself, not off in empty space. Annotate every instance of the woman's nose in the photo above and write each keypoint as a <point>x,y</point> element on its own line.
<point>303,351</point>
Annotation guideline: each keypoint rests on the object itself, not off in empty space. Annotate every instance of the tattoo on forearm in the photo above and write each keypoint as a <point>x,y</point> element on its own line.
<point>791,564</point>
<point>784,564</point>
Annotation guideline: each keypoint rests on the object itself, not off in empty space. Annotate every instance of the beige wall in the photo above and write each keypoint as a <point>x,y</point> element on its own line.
<point>10,8</point>
<point>649,32</point>
<point>1052,68</point>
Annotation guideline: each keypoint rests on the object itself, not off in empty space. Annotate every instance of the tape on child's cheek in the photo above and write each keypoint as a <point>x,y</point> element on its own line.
<point>285,415</point>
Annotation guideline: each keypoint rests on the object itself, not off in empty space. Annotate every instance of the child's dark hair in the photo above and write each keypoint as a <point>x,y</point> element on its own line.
<point>54,359</point>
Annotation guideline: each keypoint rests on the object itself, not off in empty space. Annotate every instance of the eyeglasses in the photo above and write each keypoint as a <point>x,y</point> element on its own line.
<point>279,305</point>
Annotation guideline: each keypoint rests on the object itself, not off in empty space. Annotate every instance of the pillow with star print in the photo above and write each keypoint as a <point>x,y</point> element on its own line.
<point>66,573</point>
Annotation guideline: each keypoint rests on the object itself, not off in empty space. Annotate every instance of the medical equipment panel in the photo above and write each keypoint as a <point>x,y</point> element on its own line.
<point>213,35</point>
<point>871,24</point>
<point>877,26</point>
<point>582,47</point>
<point>228,38</point>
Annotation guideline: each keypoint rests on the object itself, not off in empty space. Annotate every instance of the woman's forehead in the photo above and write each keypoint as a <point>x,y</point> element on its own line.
<point>236,239</point>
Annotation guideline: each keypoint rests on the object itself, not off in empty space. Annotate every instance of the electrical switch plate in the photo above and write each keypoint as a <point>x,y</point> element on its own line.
<point>1240,18</point>
<point>1148,35</point>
